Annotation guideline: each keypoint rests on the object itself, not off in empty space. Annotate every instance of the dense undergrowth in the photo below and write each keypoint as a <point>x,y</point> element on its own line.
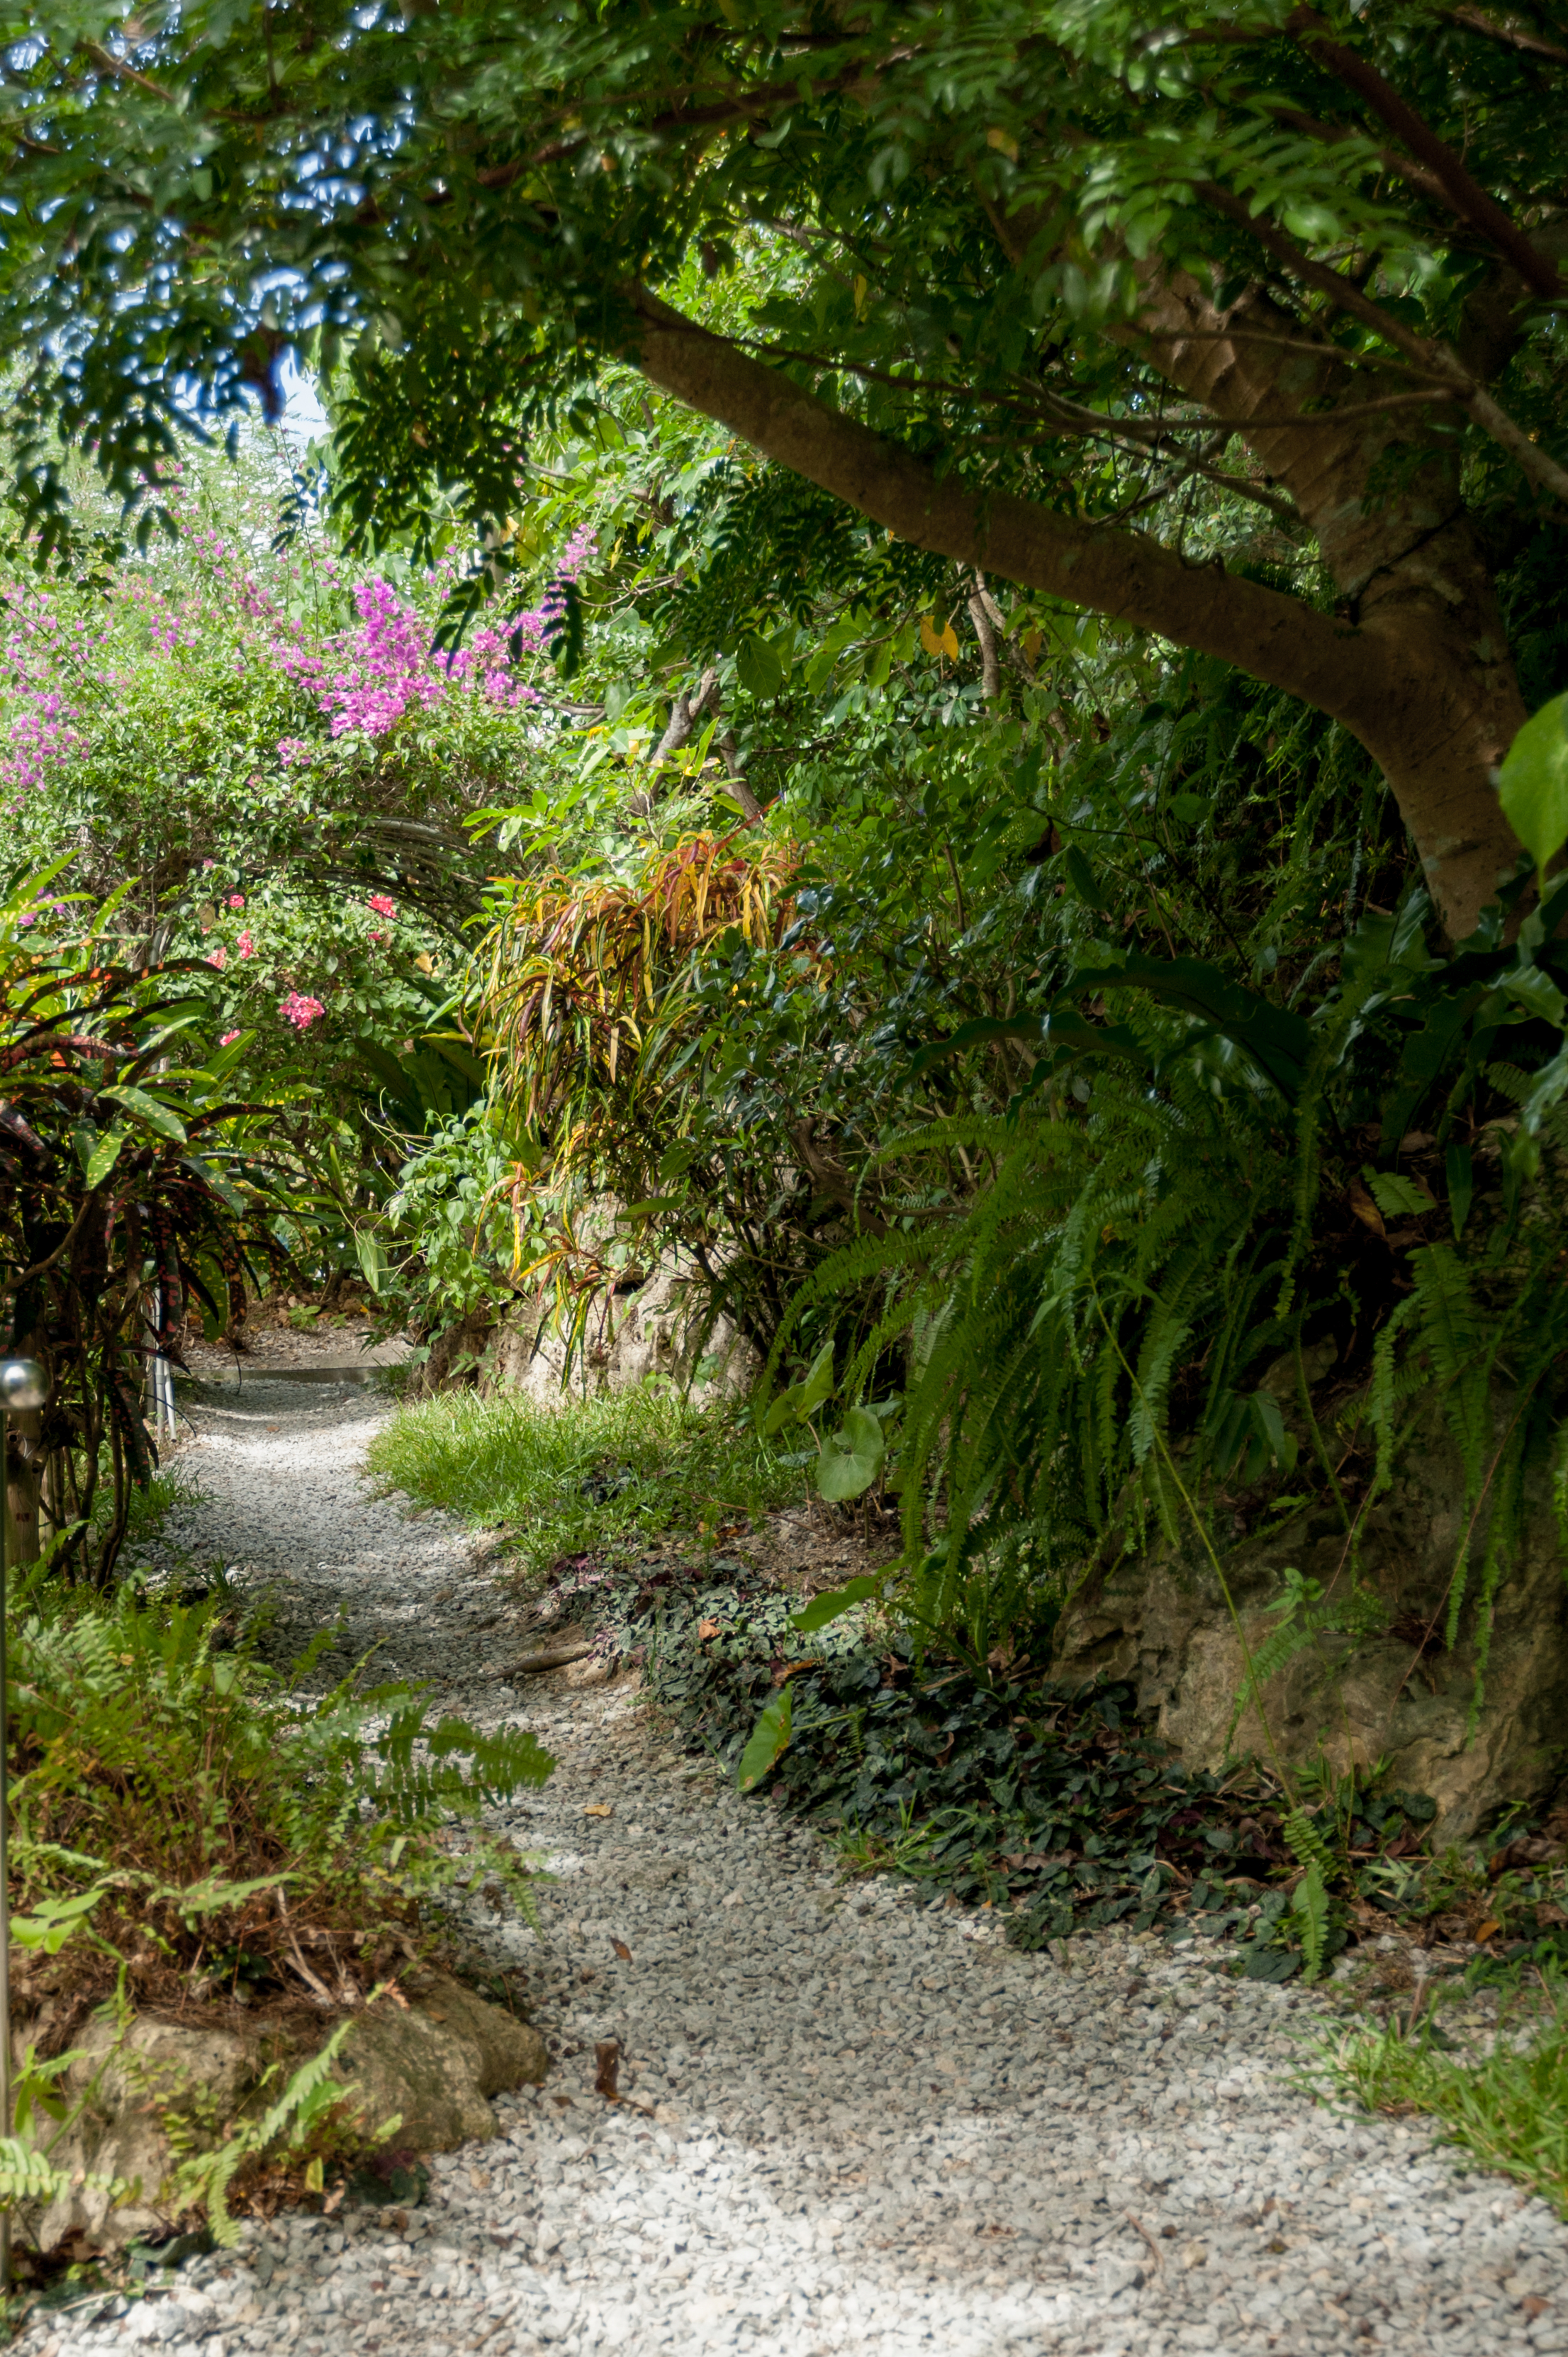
<point>188,1835</point>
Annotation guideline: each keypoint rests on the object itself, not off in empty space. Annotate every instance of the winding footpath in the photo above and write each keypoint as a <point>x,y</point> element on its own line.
<point>861,2123</point>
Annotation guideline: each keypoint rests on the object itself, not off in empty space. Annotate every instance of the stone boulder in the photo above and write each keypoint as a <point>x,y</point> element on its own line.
<point>436,2060</point>
<point>1161,1621</point>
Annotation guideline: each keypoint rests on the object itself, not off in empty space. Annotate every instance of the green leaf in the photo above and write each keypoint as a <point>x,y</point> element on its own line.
<point>372,1260</point>
<point>1080,875</point>
<point>104,1156</point>
<point>1461,1185</point>
<point>759,668</point>
<point>1396,1197</point>
<point>819,1381</point>
<point>147,1108</point>
<point>1533,781</point>
<point>1535,991</point>
<point>769,1738</point>
<point>210,1176</point>
<point>834,1602</point>
<point>1279,1040</point>
<point>852,1459</point>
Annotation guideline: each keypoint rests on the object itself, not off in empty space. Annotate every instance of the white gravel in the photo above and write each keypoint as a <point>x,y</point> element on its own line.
<point>867,2125</point>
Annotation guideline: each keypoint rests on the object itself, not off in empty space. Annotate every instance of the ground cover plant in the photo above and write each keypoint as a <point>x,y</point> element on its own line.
<point>994,1782</point>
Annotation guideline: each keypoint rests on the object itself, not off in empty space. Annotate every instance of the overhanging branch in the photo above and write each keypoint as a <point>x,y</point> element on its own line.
<point>1116,572</point>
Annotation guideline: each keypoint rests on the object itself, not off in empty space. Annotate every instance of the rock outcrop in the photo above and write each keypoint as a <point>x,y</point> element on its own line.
<point>1393,1695</point>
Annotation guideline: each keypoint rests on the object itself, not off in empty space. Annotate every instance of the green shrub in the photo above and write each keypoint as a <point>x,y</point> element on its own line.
<point>182,1825</point>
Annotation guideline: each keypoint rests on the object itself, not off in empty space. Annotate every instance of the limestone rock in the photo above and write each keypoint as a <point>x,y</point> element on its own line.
<point>1161,1621</point>
<point>435,2061</point>
<point>438,2062</point>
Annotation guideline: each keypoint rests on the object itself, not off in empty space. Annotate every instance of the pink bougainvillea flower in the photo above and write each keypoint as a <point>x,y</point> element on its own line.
<point>246,946</point>
<point>300,1010</point>
<point>236,899</point>
<point>207,864</point>
<point>28,919</point>
<point>376,933</point>
<point>383,904</point>
<point>220,958</point>
<point>228,1039</point>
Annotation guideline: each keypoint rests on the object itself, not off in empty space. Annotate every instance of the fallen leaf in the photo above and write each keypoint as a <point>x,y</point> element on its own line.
<point>1488,1930</point>
<point>608,2056</point>
<point>598,1809</point>
<point>622,1951</point>
<point>1532,2305</point>
<point>477,2180</point>
<point>706,1629</point>
<point>1366,1211</point>
<point>564,2101</point>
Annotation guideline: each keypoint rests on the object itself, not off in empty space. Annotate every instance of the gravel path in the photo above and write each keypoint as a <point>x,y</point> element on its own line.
<point>866,2124</point>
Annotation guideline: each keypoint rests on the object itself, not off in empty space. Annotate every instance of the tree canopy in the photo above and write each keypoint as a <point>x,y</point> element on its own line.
<point>1239,325</point>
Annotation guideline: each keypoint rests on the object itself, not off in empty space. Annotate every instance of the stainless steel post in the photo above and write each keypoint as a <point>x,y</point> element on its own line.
<point>23,1384</point>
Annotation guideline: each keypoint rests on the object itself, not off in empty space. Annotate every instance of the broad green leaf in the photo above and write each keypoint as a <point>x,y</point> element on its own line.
<point>759,668</point>
<point>104,1156</point>
<point>1533,781</point>
<point>784,1410</point>
<point>833,1601</point>
<point>852,1459</point>
<point>147,1108</point>
<point>819,1382</point>
<point>372,1260</point>
<point>1535,991</point>
<point>769,1738</point>
<point>212,1176</point>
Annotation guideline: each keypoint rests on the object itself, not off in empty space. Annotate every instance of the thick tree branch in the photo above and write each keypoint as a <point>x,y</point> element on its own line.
<point>1468,199</point>
<point>1530,44</point>
<point>1120,574</point>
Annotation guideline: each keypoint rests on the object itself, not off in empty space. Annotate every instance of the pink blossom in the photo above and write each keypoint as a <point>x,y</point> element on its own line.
<point>219,957</point>
<point>382,903</point>
<point>228,1039</point>
<point>246,946</point>
<point>300,1010</point>
<point>28,919</point>
<point>236,899</point>
<point>376,934</point>
<point>292,748</point>
<point>207,864</point>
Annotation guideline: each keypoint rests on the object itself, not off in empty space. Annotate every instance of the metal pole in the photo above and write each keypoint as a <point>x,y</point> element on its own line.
<point>23,1384</point>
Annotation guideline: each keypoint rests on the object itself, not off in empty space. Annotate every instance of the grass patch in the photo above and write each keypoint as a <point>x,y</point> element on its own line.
<point>1506,2107</point>
<point>592,1475</point>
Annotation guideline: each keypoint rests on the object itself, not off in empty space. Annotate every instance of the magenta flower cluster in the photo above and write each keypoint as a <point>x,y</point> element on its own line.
<point>385,668</point>
<point>300,1010</point>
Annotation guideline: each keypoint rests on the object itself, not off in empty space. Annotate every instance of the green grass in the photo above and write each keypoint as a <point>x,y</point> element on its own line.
<point>1508,2109</point>
<point>591,1474</point>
